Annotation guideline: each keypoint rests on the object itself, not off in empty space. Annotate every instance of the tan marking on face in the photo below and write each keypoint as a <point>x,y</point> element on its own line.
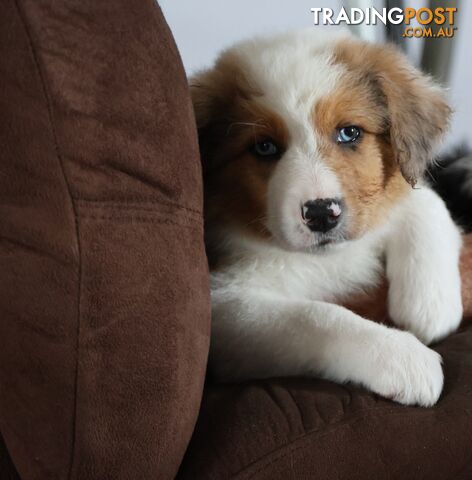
<point>418,113</point>
<point>236,189</point>
<point>236,180</point>
<point>230,121</point>
<point>370,178</point>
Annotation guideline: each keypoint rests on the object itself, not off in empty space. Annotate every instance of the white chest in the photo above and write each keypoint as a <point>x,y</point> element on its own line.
<point>319,276</point>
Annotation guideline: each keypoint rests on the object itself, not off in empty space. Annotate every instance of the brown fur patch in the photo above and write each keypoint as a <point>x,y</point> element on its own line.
<point>230,121</point>
<point>417,110</point>
<point>371,179</point>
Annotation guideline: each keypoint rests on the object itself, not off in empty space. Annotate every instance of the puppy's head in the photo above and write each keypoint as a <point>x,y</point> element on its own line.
<point>310,139</point>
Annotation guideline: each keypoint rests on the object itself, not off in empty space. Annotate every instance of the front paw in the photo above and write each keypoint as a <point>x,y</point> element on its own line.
<point>405,370</point>
<point>429,313</point>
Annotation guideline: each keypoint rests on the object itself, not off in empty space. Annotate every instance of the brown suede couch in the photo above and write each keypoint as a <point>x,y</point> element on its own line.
<point>104,298</point>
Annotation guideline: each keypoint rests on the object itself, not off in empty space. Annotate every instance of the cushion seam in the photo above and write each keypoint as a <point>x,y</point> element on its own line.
<point>47,98</point>
<point>136,203</point>
<point>127,208</point>
<point>140,219</point>
<point>291,447</point>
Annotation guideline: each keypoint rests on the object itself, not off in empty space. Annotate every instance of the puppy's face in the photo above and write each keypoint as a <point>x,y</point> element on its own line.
<point>310,141</point>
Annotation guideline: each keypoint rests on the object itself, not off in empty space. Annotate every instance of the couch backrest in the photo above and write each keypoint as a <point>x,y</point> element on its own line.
<point>104,297</point>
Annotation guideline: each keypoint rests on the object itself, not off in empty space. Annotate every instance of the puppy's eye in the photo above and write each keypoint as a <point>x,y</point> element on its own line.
<point>266,148</point>
<point>348,135</point>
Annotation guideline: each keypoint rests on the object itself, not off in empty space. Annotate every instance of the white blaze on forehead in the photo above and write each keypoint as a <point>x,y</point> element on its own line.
<point>293,72</point>
<point>290,74</point>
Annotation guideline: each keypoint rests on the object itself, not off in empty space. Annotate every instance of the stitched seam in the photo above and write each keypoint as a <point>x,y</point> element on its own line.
<point>141,208</point>
<point>142,220</point>
<point>47,99</point>
<point>289,448</point>
<point>137,202</point>
<point>280,450</point>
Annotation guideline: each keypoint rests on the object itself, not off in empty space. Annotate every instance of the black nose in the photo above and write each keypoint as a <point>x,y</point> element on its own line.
<point>322,215</point>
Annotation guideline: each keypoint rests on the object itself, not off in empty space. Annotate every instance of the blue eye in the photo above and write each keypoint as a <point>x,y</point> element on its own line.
<point>347,135</point>
<point>265,148</point>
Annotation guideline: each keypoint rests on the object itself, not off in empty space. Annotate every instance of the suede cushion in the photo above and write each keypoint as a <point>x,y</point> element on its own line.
<point>104,305</point>
<point>292,429</point>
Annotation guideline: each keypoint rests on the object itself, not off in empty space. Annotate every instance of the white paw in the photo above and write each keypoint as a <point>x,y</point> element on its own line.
<point>430,313</point>
<point>406,371</point>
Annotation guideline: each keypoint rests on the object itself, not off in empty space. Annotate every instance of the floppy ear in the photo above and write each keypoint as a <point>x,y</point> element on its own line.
<point>214,93</point>
<point>418,114</point>
<point>211,95</point>
<point>205,96</point>
<point>208,91</point>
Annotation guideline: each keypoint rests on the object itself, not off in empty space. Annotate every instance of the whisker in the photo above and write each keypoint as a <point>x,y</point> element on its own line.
<point>254,125</point>
<point>255,220</point>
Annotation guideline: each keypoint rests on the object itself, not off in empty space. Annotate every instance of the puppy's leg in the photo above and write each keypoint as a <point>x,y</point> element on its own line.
<point>258,335</point>
<point>423,268</point>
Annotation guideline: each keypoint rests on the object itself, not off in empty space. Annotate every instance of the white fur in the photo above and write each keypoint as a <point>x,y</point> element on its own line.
<point>423,268</point>
<point>285,69</point>
<point>272,310</point>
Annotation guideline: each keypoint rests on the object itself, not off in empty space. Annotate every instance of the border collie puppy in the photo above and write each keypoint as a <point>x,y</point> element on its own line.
<point>313,146</point>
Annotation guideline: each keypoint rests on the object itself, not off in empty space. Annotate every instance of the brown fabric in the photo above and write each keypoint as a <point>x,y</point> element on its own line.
<point>7,469</point>
<point>104,308</point>
<point>291,429</point>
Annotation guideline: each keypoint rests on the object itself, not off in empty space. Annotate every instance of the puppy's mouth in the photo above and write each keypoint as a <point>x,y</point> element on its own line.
<point>325,242</point>
<point>314,242</point>
<point>328,241</point>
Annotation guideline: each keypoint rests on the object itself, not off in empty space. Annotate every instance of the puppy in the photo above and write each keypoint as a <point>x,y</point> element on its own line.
<point>314,145</point>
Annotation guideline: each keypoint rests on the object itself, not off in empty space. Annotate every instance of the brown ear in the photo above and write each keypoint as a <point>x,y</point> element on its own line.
<point>210,96</point>
<point>213,91</point>
<point>417,108</point>
<point>205,96</point>
<point>214,94</point>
